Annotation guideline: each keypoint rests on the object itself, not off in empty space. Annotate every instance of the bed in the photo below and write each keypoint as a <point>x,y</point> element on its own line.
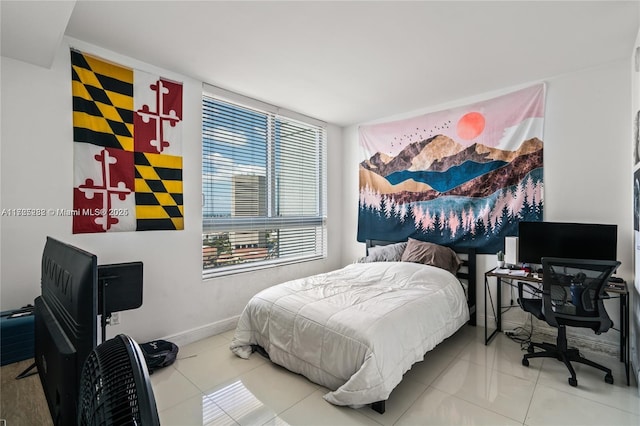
<point>358,329</point>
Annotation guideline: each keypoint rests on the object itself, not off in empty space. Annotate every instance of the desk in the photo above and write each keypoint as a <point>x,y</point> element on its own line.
<point>620,290</point>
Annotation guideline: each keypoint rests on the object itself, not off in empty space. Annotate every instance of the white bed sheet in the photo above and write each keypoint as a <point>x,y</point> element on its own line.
<point>356,330</point>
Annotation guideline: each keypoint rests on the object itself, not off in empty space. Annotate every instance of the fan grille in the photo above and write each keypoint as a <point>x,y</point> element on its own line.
<point>109,392</point>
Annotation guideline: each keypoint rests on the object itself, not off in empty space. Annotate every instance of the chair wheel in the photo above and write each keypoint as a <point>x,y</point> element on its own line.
<point>573,382</point>
<point>525,362</point>
<point>609,379</point>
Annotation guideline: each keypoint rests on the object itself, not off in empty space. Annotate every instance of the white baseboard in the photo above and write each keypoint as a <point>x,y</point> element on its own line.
<point>548,333</point>
<point>595,344</point>
<point>199,333</point>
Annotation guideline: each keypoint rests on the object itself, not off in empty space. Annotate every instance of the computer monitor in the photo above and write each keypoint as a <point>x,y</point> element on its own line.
<point>567,240</point>
<point>120,287</point>
<point>65,317</point>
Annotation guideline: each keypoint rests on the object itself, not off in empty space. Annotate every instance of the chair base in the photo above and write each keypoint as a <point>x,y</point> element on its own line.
<point>561,352</point>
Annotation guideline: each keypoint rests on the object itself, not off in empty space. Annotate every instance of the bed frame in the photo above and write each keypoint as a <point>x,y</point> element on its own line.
<point>467,273</point>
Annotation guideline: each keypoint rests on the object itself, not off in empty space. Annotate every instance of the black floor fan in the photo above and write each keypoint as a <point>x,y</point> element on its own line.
<point>115,388</point>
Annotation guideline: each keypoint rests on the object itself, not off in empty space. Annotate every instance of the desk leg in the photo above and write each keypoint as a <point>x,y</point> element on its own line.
<point>499,304</point>
<point>624,333</point>
<point>486,285</point>
<point>622,327</point>
<point>487,337</point>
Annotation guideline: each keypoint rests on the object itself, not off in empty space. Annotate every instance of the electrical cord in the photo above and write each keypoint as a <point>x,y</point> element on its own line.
<point>522,336</point>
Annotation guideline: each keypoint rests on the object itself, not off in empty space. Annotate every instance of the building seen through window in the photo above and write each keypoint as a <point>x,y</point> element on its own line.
<point>263,188</point>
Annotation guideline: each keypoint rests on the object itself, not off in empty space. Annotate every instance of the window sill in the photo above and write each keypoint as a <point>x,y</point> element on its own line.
<point>244,268</point>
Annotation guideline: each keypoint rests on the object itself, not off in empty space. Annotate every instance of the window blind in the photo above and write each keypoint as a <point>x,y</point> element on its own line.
<point>264,180</point>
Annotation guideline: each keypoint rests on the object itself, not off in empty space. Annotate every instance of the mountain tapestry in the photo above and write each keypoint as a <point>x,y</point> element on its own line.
<point>462,177</point>
<point>127,131</point>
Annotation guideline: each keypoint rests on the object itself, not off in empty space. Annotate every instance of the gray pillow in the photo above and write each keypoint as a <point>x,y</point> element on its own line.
<point>388,253</point>
<point>431,254</point>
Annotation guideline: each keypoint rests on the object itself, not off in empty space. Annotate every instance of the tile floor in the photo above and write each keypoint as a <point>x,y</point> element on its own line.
<point>461,382</point>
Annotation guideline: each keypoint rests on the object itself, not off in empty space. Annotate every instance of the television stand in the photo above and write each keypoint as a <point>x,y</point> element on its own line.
<point>27,372</point>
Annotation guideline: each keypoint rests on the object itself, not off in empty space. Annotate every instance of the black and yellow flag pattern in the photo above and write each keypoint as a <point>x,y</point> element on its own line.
<point>102,102</point>
<point>158,192</point>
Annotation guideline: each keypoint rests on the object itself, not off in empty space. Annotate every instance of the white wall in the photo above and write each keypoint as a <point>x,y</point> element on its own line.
<point>586,160</point>
<point>37,172</point>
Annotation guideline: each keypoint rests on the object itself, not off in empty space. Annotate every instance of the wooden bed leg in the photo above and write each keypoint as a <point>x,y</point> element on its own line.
<point>378,407</point>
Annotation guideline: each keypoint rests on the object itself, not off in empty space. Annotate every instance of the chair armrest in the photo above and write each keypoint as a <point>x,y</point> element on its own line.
<point>533,290</point>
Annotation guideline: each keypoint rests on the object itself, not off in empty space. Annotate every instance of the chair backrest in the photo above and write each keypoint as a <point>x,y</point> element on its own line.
<point>573,290</point>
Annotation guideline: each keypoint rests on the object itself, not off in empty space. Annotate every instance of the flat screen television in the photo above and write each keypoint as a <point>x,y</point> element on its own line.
<point>65,324</point>
<point>568,240</point>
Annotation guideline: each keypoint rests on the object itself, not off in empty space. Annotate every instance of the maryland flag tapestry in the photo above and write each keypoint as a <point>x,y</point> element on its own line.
<point>127,131</point>
<point>462,177</point>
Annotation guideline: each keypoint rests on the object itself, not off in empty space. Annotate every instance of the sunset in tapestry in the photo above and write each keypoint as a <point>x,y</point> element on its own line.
<point>462,177</point>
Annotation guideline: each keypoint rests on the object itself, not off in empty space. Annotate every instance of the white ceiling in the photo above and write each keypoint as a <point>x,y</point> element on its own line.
<point>341,62</point>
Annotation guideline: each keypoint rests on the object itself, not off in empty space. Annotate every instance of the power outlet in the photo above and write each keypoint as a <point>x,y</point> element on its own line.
<point>115,319</point>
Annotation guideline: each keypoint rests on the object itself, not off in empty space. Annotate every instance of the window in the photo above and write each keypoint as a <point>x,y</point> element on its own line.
<point>264,180</point>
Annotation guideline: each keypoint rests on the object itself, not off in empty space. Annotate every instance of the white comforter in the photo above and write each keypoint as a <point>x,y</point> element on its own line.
<point>356,330</point>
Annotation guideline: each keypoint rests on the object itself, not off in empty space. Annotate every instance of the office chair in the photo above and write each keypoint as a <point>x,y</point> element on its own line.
<point>572,295</point>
